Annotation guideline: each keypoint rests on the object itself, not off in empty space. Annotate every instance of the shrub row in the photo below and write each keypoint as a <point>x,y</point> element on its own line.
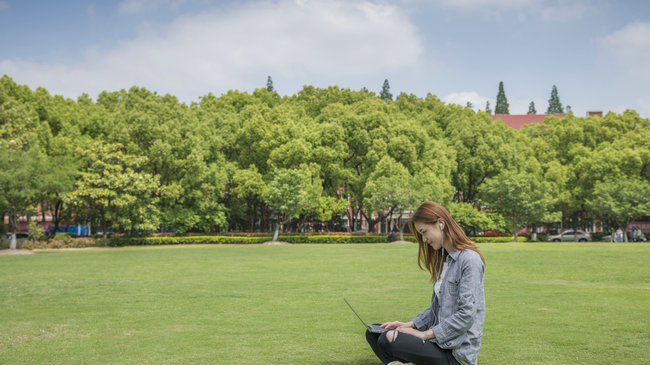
<point>120,241</point>
<point>497,239</point>
<point>61,243</point>
<point>117,241</point>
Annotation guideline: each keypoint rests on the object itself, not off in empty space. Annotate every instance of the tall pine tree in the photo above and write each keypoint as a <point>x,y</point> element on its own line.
<point>554,104</point>
<point>502,101</point>
<point>385,92</point>
<point>531,108</point>
<point>487,107</point>
<point>269,84</point>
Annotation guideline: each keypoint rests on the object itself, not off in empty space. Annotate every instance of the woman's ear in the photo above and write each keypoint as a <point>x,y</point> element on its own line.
<point>442,226</point>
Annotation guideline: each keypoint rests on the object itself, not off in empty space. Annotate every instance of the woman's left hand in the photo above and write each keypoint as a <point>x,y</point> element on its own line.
<point>422,335</point>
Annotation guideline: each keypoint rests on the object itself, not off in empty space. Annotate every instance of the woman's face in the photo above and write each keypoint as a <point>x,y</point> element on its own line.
<point>431,234</point>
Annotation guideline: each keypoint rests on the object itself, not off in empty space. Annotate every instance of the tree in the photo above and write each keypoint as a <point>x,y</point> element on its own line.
<point>531,108</point>
<point>622,200</point>
<point>269,84</point>
<point>291,193</point>
<point>487,107</point>
<point>482,148</point>
<point>520,197</point>
<point>469,105</point>
<point>502,101</point>
<point>112,191</point>
<point>248,185</point>
<point>554,104</point>
<point>22,172</point>
<point>385,94</point>
<point>472,220</point>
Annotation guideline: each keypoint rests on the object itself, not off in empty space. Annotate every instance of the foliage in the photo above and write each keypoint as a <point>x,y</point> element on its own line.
<point>472,220</point>
<point>324,158</point>
<point>531,108</point>
<point>498,239</point>
<point>385,94</point>
<point>35,231</point>
<point>554,104</point>
<point>269,84</point>
<point>502,102</point>
<point>622,200</point>
<point>112,192</point>
<point>520,197</point>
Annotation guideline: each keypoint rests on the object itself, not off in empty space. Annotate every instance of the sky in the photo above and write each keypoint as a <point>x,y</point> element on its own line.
<point>597,52</point>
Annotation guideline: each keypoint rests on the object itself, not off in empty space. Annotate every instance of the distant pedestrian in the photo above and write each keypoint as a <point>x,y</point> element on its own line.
<point>638,235</point>
<point>619,235</point>
<point>392,237</point>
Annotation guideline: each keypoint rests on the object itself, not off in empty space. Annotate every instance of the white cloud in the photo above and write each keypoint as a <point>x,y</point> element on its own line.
<point>563,11</point>
<point>237,49</point>
<point>461,98</point>
<point>630,47</point>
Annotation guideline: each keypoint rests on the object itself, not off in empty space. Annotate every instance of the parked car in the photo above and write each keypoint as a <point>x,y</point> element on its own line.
<point>570,236</point>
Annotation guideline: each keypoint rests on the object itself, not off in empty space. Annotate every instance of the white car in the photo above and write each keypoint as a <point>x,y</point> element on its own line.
<point>570,236</point>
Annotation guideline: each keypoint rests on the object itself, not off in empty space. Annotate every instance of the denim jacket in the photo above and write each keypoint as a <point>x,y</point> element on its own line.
<point>457,316</point>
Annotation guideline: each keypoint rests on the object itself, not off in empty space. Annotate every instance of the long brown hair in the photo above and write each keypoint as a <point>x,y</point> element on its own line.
<point>432,213</point>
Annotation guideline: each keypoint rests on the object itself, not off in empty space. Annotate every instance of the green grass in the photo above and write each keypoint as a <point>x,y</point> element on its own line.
<point>547,303</point>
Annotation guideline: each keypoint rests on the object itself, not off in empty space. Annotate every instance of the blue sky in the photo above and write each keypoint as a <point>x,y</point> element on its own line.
<point>597,52</point>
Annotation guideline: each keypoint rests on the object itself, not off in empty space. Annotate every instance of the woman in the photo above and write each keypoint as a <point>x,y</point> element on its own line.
<point>450,330</point>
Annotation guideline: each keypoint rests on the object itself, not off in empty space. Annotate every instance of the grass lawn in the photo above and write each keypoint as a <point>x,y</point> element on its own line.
<point>547,303</point>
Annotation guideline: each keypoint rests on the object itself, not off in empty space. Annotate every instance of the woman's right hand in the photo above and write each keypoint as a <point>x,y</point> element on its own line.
<point>397,324</point>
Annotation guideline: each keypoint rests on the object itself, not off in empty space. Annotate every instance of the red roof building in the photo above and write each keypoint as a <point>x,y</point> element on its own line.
<point>518,121</point>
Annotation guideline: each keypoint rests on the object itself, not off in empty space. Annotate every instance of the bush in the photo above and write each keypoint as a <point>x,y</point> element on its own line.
<point>497,239</point>
<point>61,243</point>
<point>118,241</point>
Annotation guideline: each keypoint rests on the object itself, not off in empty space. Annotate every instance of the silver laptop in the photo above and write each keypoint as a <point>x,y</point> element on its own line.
<point>374,328</point>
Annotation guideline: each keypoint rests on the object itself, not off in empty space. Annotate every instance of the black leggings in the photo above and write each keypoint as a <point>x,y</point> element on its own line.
<point>408,348</point>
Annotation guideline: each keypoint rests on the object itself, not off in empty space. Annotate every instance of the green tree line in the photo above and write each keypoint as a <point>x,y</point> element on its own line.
<point>133,160</point>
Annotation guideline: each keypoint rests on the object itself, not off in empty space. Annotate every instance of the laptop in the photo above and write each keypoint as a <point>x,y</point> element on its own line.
<point>374,328</point>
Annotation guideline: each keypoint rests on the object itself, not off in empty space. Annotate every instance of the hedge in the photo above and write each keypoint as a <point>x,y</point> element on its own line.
<point>497,239</point>
<point>290,238</point>
<point>119,241</point>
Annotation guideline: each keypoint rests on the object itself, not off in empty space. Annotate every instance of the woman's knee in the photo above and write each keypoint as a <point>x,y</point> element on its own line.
<point>387,339</point>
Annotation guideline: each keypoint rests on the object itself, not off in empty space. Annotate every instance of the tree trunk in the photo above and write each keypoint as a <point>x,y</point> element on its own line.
<point>277,232</point>
<point>104,230</point>
<point>400,225</point>
<point>514,227</point>
<point>12,226</point>
<point>57,216</point>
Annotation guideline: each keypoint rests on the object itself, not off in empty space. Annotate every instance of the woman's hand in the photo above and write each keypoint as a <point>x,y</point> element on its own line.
<point>422,335</point>
<point>397,324</point>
